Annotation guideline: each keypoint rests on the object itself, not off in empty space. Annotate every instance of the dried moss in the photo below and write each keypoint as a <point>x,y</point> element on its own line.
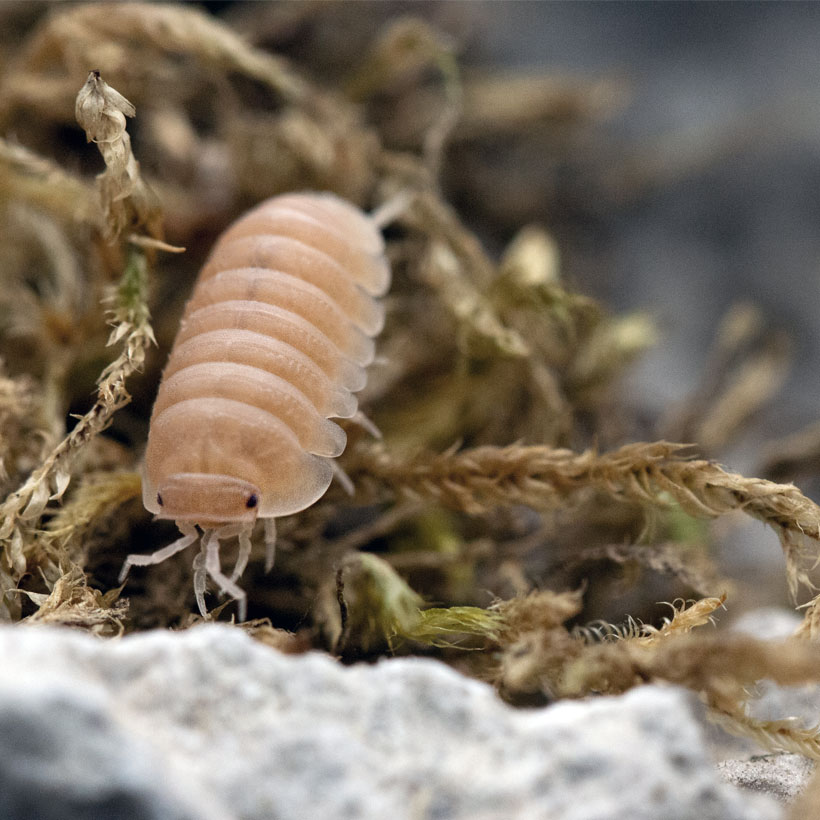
<point>508,494</point>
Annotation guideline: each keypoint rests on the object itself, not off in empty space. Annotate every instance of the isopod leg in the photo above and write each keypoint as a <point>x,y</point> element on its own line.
<point>222,581</point>
<point>366,424</point>
<point>244,552</point>
<point>343,478</point>
<point>393,209</point>
<point>201,579</point>
<point>270,543</point>
<point>189,535</point>
<point>244,532</point>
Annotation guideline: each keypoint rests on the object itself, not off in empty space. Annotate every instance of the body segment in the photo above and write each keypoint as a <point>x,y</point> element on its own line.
<point>272,345</point>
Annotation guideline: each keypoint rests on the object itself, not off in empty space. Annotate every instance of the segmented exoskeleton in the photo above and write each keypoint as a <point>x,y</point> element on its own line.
<point>273,343</point>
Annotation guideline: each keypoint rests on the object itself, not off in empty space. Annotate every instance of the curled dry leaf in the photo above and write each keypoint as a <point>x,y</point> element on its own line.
<point>126,199</point>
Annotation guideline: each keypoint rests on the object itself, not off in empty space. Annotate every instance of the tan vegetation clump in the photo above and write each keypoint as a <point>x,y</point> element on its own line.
<point>510,507</point>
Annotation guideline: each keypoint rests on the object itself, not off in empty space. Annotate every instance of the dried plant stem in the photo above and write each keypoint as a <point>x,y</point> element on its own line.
<point>720,668</point>
<point>404,48</point>
<point>477,480</point>
<point>472,310</point>
<point>109,32</point>
<point>543,477</point>
<point>72,602</point>
<point>685,618</point>
<point>175,29</point>
<point>24,507</point>
<point>434,218</point>
<point>775,735</point>
<point>538,654</point>
<point>101,111</point>
<point>31,178</point>
<point>795,454</point>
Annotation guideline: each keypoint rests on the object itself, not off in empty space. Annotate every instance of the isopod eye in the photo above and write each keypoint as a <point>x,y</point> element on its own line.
<point>159,499</point>
<point>252,501</point>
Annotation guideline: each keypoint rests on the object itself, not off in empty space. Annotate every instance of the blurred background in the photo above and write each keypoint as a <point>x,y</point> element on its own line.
<point>678,169</point>
<point>699,190</point>
<point>681,177</point>
<point>700,185</point>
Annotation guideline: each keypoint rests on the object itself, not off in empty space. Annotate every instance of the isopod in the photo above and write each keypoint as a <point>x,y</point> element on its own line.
<point>273,343</point>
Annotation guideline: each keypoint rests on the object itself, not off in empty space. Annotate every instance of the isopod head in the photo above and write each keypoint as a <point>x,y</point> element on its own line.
<point>204,498</point>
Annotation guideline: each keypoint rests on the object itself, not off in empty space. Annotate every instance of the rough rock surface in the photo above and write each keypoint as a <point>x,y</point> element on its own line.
<point>209,724</point>
<point>780,775</point>
<point>745,763</point>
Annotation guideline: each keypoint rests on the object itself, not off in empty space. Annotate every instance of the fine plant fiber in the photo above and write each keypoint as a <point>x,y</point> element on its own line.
<point>522,514</point>
<point>100,112</point>
<point>479,479</point>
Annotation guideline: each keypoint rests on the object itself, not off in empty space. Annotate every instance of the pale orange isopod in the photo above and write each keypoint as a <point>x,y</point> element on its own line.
<point>273,343</point>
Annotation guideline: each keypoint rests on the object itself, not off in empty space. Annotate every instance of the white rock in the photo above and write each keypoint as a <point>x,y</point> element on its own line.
<point>768,623</point>
<point>782,776</point>
<point>241,731</point>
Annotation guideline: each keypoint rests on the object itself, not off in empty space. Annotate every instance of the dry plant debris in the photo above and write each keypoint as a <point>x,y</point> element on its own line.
<point>507,495</point>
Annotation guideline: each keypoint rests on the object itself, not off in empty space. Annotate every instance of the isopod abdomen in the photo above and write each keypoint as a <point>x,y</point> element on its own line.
<point>272,345</point>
